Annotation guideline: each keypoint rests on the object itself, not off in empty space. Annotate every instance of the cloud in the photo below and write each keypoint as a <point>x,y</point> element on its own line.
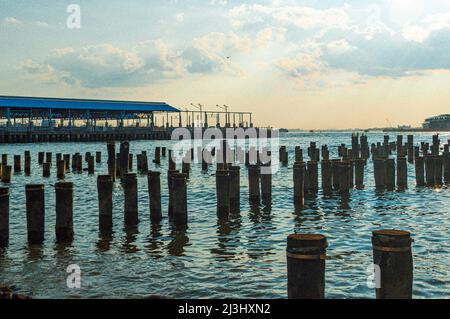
<point>12,21</point>
<point>41,24</point>
<point>179,17</point>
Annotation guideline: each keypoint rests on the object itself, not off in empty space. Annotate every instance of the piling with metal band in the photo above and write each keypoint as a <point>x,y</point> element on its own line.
<point>359,173</point>
<point>402,173</point>
<point>98,157</point>
<point>157,159</point>
<point>170,174</point>
<point>379,168</point>
<point>223,193</point>
<point>299,170</point>
<point>112,160</point>
<point>254,184</point>
<point>180,217</point>
<point>46,169</point>
<point>419,166</point>
<point>41,158</point>
<point>154,191</point>
<point>438,163</point>
<point>4,216</point>
<point>392,257</point>
<point>105,203</point>
<point>429,170</point>
<point>446,159</point>
<point>390,174</point>
<point>131,200</point>
<point>313,177</point>
<point>64,212</point>
<point>35,205</point>
<point>48,157</point>
<point>27,164</point>
<point>306,255</point>
<point>235,188</point>
<point>17,164</point>
<point>344,182</point>
<point>266,183</point>
<point>61,169</point>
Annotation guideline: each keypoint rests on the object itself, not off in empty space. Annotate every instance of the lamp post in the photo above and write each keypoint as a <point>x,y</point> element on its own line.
<point>225,107</point>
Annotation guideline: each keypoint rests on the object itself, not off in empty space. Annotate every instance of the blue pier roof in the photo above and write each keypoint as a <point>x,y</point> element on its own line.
<point>22,102</point>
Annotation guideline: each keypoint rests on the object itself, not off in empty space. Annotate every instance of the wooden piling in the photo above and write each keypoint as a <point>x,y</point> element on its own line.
<point>447,168</point>
<point>390,174</point>
<point>46,170</point>
<point>61,169</point>
<point>344,182</point>
<point>64,212</point>
<point>420,171</point>
<point>313,177</point>
<point>335,163</point>
<point>48,157</point>
<point>124,158</point>
<point>154,190</point>
<point>254,184</point>
<point>170,174</point>
<point>27,164</point>
<point>35,206</point>
<point>402,173</point>
<point>327,175</point>
<point>393,257</point>
<point>17,164</point>
<point>223,194</point>
<point>157,159</point>
<point>131,200</point>
<point>299,171</point>
<point>6,173</point>
<point>306,255</point>
<point>91,165</point>
<point>379,168</point>
<point>112,160</point>
<point>235,191</point>
<point>98,157</point>
<point>180,214</point>
<point>438,166</point>
<point>359,173</point>
<point>4,216</point>
<point>429,170</point>
<point>41,158</point>
<point>105,203</point>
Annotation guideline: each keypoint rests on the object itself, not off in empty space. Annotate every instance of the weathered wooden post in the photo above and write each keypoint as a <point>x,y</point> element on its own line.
<point>105,203</point>
<point>402,173</point>
<point>6,173</point>
<point>429,170</point>
<point>438,163</point>
<point>91,166</point>
<point>235,188</point>
<point>48,157</point>
<point>35,199</point>
<point>254,184</point>
<point>163,151</point>
<point>98,157</point>
<point>172,163</point>
<point>61,169</point>
<point>186,167</point>
<point>420,176</point>
<point>130,162</point>
<point>5,159</point>
<point>223,194</point>
<point>111,146</point>
<point>306,255</point>
<point>298,154</point>
<point>390,174</point>
<point>41,158</point>
<point>313,177</point>
<point>46,169</point>
<point>4,216</point>
<point>299,183</point>
<point>66,158</point>
<point>266,183</point>
<point>17,164</point>
<point>124,158</point>
<point>170,174</point>
<point>411,148</point>
<point>131,200</point>
<point>393,262</point>
<point>180,215</point>
<point>379,168</point>
<point>27,165</point>
<point>157,159</point>
<point>154,189</point>
<point>335,164</point>
<point>359,173</point>
<point>64,211</point>
<point>327,176</point>
<point>344,182</point>
<point>447,168</point>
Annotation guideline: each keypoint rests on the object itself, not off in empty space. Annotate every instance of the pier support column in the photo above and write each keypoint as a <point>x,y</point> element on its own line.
<point>235,188</point>
<point>180,214</point>
<point>392,257</point>
<point>299,183</point>
<point>154,190</point>
<point>64,212</point>
<point>105,203</point>
<point>223,194</point>
<point>254,184</point>
<point>4,217</point>
<point>35,199</point>
<point>131,200</point>
<point>306,254</point>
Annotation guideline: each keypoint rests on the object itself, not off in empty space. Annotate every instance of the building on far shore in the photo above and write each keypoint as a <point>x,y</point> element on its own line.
<point>439,122</point>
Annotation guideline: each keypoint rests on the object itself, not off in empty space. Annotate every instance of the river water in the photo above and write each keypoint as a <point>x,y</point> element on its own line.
<point>241,258</point>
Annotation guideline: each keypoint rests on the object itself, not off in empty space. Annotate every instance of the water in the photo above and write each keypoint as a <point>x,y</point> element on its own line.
<point>241,258</point>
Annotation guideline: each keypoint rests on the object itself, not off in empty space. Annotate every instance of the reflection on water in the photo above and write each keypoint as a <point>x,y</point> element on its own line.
<point>241,257</point>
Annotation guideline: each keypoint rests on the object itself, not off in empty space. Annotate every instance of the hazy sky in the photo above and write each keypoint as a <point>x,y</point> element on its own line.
<point>296,64</point>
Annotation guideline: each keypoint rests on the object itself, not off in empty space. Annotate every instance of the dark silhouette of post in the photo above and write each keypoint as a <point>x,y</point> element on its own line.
<point>4,216</point>
<point>393,262</point>
<point>64,212</point>
<point>35,199</point>
<point>306,254</point>
<point>131,200</point>
<point>154,189</point>
<point>105,203</point>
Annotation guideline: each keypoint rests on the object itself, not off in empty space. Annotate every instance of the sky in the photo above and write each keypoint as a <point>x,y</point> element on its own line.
<point>295,64</point>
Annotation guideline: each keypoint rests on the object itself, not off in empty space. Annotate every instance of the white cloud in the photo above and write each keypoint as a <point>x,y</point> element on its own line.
<point>179,17</point>
<point>12,20</point>
<point>41,24</point>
